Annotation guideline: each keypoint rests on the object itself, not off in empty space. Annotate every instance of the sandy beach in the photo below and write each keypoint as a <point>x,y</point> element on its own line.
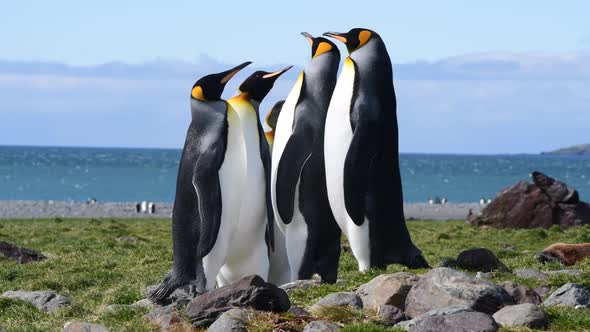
<point>53,209</point>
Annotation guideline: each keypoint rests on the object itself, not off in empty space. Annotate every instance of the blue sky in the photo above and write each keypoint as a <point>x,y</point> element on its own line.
<point>471,77</point>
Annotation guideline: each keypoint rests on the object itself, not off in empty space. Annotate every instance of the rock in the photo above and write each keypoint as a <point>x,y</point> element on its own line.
<point>443,287</point>
<point>564,253</point>
<point>389,315</point>
<point>19,254</point>
<point>300,284</point>
<point>484,275</point>
<point>480,259</point>
<point>233,320</point>
<point>83,327</point>
<point>143,303</point>
<point>340,299</point>
<point>43,300</point>
<point>543,290</point>
<point>521,293</point>
<point>129,239</point>
<point>298,311</point>
<point>531,274</point>
<point>526,314</point>
<point>409,324</point>
<point>572,295</point>
<point>566,272</point>
<point>251,291</point>
<point>321,326</point>
<point>167,318</point>
<point>543,203</point>
<point>458,322</point>
<point>387,289</point>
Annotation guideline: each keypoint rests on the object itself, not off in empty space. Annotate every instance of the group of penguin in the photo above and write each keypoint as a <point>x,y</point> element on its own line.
<point>275,204</point>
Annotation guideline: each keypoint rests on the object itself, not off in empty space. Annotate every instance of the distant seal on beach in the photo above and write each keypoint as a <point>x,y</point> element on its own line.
<point>299,192</point>
<point>362,157</point>
<point>206,196</point>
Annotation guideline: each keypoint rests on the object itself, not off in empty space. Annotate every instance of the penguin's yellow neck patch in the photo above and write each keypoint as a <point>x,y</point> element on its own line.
<point>364,37</point>
<point>197,93</point>
<point>323,47</point>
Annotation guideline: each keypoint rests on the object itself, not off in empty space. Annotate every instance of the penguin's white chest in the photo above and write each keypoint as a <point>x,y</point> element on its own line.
<point>337,138</point>
<point>283,131</point>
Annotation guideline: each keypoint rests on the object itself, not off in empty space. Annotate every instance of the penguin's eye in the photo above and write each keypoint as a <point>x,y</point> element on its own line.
<point>364,37</point>
<point>197,93</point>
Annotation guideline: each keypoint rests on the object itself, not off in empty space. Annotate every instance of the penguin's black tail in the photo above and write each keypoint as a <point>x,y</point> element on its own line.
<point>168,285</point>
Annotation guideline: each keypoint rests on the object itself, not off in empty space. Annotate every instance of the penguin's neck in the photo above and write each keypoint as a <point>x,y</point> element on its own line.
<point>199,107</point>
<point>320,77</point>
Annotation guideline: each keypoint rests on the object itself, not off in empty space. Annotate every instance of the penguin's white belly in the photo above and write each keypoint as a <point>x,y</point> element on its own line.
<point>283,131</point>
<point>338,136</point>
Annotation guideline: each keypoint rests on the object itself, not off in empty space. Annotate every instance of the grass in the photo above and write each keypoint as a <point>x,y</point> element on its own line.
<point>95,266</point>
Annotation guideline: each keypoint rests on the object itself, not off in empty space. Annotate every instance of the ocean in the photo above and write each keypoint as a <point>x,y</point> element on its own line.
<point>131,175</point>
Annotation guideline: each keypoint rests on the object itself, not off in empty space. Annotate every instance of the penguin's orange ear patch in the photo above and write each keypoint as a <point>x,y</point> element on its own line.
<point>197,93</point>
<point>323,47</point>
<point>364,37</point>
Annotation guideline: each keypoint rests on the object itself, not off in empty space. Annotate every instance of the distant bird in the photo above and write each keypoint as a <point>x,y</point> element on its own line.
<point>482,201</point>
<point>271,122</point>
<point>430,201</point>
<point>299,192</point>
<point>248,241</point>
<point>208,188</point>
<point>362,157</point>
<point>444,200</point>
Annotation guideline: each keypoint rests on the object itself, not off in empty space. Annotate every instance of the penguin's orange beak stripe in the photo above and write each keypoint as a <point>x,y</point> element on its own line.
<point>336,36</point>
<point>308,37</point>
<point>234,71</point>
<point>277,73</point>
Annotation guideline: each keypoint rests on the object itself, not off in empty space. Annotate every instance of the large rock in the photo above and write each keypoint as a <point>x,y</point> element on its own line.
<point>526,314</point>
<point>233,320</point>
<point>321,326</point>
<point>543,203</point>
<point>83,327</point>
<point>43,300</point>
<point>387,289</point>
<point>389,315</point>
<point>410,324</point>
<point>251,291</point>
<point>340,299</point>
<point>521,293</point>
<point>572,295</point>
<point>458,322</point>
<point>19,254</point>
<point>480,259</point>
<point>167,318</point>
<point>443,287</point>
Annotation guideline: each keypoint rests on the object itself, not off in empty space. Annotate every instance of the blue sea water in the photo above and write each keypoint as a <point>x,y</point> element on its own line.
<point>116,175</point>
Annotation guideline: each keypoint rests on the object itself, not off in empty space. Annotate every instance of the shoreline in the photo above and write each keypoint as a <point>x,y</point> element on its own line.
<point>76,209</point>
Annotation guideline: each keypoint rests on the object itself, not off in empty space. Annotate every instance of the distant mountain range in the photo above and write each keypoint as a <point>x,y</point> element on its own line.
<point>578,150</point>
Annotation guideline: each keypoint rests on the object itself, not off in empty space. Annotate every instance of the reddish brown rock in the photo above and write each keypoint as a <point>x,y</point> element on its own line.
<point>543,203</point>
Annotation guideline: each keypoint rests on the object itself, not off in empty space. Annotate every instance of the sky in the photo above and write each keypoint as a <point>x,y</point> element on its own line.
<point>471,77</point>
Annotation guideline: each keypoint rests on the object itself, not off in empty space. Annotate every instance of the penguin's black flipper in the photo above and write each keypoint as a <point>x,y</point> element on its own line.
<point>208,189</point>
<point>297,151</point>
<point>357,165</point>
<point>265,156</point>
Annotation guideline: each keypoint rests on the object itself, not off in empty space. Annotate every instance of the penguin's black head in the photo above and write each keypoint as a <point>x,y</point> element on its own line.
<point>210,87</point>
<point>354,39</point>
<point>258,85</point>
<point>320,45</point>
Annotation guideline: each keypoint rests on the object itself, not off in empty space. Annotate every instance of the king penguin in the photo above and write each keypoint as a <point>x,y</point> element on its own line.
<point>251,239</point>
<point>206,195</point>
<point>299,192</point>
<point>271,122</point>
<point>362,166</point>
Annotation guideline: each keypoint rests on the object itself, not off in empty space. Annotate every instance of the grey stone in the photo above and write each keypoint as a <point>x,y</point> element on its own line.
<point>531,274</point>
<point>458,322</point>
<point>83,327</point>
<point>340,299</point>
<point>300,284</point>
<point>521,293</point>
<point>298,311</point>
<point>233,320</point>
<point>409,324</point>
<point>484,275</point>
<point>389,315</point>
<point>321,326</point>
<point>480,259</point>
<point>387,289</point>
<point>251,291</point>
<point>165,317</point>
<point>567,272</point>
<point>572,295</point>
<point>143,303</point>
<point>443,287</point>
<point>42,300</point>
<point>526,314</point>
